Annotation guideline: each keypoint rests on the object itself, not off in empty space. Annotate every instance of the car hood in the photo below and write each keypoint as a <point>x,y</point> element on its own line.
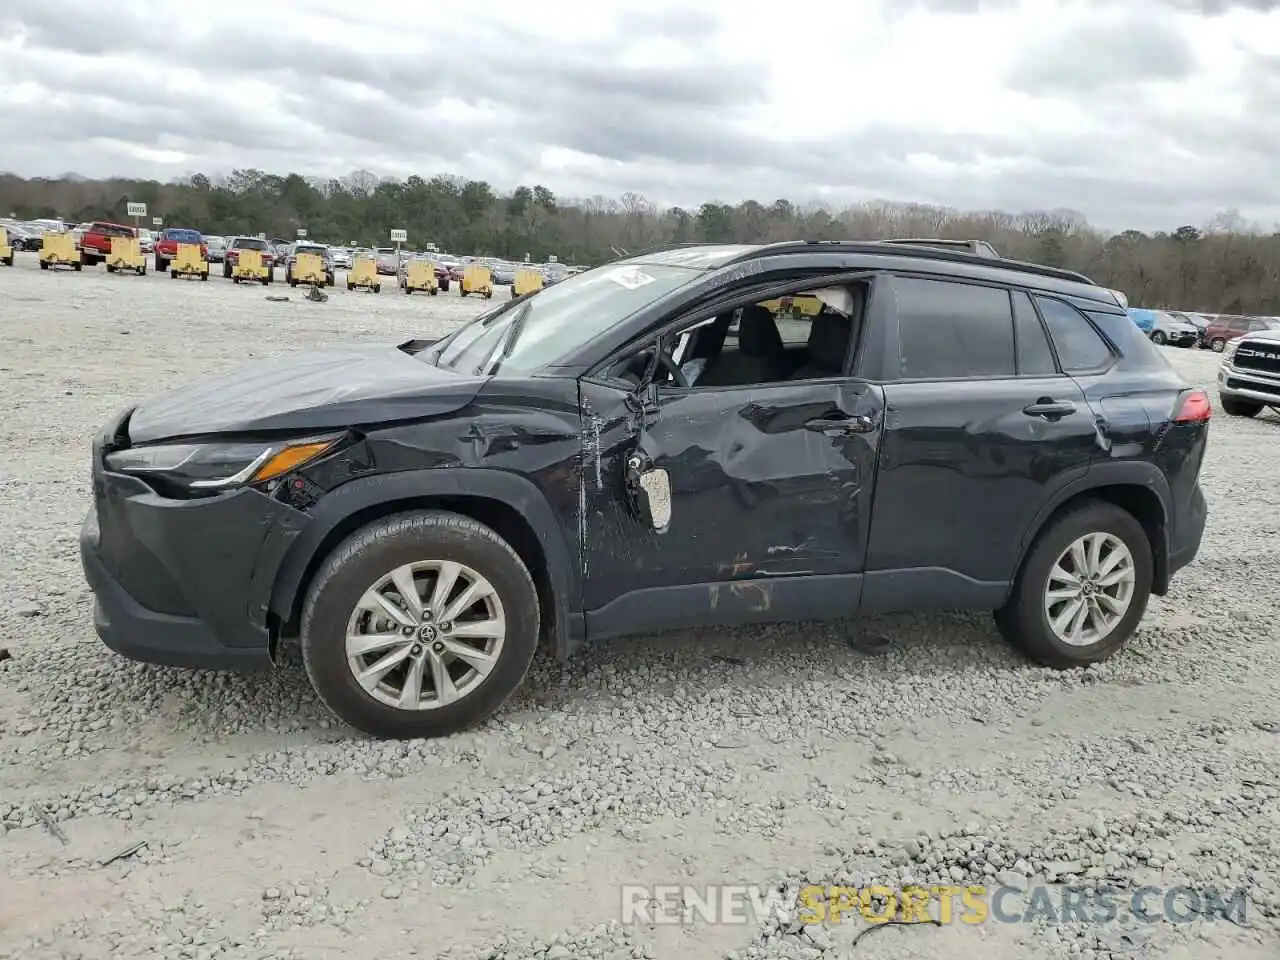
<point>316,390</point>
<point>1262,336</point>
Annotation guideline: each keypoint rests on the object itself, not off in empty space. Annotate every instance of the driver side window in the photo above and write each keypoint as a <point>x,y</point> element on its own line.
<point>808,335</point>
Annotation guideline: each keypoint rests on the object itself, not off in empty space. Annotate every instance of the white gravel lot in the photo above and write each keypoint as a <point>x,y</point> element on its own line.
<point>900,749</point>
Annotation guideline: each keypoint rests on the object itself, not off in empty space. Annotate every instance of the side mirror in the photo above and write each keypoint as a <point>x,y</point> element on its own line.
<point>650,490</point>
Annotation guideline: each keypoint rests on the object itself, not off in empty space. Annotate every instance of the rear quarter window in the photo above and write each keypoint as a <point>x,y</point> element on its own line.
<point>1132,343</point>
<point>1081,349</point>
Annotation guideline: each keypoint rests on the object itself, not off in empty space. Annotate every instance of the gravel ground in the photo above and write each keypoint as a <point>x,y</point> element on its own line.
<point>899,750</point>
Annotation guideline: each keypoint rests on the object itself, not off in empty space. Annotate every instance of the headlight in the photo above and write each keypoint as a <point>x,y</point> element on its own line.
<point>1229,350</point>
<point>217,466</point>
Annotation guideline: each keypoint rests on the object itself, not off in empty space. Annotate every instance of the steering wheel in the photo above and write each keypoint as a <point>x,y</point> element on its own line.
<point>668,363</point>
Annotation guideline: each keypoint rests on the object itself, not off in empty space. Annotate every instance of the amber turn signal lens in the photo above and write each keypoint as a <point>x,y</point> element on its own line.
<point>290,458</point>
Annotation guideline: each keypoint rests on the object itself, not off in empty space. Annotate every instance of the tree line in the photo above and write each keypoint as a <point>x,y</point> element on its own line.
<point>1225,266</point>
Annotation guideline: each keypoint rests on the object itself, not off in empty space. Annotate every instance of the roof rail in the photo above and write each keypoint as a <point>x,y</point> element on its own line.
<point>978,248</point>
<point>886,248</point>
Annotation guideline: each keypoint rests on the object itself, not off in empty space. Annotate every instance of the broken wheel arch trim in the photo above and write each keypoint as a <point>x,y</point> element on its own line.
<point>279,588</point>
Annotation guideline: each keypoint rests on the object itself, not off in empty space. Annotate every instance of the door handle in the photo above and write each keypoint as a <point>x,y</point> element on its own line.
<point>842,425</point>
<point>1049,409</point>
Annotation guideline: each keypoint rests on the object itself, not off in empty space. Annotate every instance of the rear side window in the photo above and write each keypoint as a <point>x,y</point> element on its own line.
<point>952,331</point>
<point>1139,352</point>
<point>1080,348</point>
<point>1035,356</point>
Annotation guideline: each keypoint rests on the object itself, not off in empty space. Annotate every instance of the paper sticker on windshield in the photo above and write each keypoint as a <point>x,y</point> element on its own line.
<point>631,278</point>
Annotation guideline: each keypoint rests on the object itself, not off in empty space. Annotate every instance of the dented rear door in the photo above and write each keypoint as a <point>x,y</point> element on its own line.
<point>766,481</point>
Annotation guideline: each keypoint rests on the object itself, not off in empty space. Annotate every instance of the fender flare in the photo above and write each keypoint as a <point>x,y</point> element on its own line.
<point>356,495</point>
<point>1132,473</point>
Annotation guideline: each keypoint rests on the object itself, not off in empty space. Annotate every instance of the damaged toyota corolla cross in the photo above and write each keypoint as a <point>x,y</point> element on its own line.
<point>662,442</point>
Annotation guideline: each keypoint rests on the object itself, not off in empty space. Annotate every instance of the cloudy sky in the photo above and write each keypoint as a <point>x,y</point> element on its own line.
<point>1145,113</point>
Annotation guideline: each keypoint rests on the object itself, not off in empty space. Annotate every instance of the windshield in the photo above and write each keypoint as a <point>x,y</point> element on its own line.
<point>526,334</point>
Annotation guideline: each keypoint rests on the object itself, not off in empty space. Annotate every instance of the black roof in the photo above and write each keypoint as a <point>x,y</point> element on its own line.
<point>702,256</point>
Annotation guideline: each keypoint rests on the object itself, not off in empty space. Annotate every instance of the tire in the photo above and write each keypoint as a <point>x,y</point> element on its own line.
<point>435,291</point>
<point>44,264</point>
<point>226,272</point>
<point>377,288</point>
<point>173,274</point>
<point>350,285</point>
<point>142,270</point>
<point>407,291</point>
<point>293,282</point>
<point>1217,344</point>
<point>77,267</point>
<point>111,268</point>
<point>161,265</point>
<point>1158,338</point>
<point>8,261</point>
<point>369,555</point>
<point>236,281</point>
<point>1235,407</point>
<point>1024,621</point>
<point>264,280</point>
<point>444,285</point>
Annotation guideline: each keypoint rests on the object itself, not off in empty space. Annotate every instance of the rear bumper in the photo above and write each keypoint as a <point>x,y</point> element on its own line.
<point>1185,542</point>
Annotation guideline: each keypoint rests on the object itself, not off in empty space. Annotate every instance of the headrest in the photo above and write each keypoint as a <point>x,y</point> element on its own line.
<point>829,341</point>
<point>758,334</point>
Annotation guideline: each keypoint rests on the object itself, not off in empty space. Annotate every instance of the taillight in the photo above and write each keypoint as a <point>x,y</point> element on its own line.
<point>1195,408</point>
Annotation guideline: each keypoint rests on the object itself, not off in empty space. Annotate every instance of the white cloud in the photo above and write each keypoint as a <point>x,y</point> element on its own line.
<point>1146,113</point>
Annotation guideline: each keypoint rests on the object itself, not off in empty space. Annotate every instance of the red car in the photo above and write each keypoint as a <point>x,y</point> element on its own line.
<point>1221,330</point>
<point>95,242</point>
<point>167,245</point>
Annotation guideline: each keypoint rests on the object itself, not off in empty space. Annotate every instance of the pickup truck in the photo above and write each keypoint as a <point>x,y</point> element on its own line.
<point>236,244</point>
<point>167,245</point>
<point>95,242</point>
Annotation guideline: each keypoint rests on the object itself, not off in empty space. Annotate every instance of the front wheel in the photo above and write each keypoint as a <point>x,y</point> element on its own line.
<point>1158,338</point>
<point>1082,589</point>
<point>1217,344</point>
<point>1235,407</point>
<point>419,625</point>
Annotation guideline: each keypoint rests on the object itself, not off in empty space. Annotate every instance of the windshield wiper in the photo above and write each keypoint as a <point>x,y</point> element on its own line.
<point>506,343</point>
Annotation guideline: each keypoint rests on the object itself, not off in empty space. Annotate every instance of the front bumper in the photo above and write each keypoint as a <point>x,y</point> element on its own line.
<point>1243,383</point>
<point>1184,339</point>
<point>184,583</point>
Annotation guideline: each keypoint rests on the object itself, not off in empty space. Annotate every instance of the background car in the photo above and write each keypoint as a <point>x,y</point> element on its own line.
<point>1223,329</point>
<point>1169,329</point>
<point>504,273</point>
<point>388,261</point>
<point>167,245</point>
<point>340,257</point>
<point>217,248</point>
<point>306,246</point>
<point>232,254</point>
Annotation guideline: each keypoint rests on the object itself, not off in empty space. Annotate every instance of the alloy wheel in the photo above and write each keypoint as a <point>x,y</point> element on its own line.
<point>1090,588</point>
<point>425,635</point>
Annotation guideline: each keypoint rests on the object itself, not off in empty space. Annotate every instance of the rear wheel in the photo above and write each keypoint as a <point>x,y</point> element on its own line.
<point>111,268</point>
<point>1235,407</point>
<point>77,266</point>
<point>419,625</point>
<point>173,274</point>
<point>1082,589</point>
